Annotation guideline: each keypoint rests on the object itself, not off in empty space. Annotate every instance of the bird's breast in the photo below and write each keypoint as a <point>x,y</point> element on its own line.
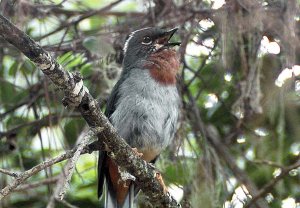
<point>146,112</point>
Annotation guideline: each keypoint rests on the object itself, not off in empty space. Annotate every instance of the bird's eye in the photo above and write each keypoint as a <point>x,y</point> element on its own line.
<point>147,40</point>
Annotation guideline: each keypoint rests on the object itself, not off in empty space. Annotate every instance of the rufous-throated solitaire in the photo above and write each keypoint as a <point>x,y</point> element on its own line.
<point>143,106</point>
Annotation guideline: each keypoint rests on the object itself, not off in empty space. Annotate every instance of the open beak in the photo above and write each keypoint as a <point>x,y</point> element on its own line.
<point>163,41</point>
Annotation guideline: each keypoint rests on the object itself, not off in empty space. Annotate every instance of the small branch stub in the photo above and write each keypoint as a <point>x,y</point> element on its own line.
<point>74,97</point>
<point>125,175</point>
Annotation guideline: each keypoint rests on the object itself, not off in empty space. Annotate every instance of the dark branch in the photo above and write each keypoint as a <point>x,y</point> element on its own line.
<point>269,186</point>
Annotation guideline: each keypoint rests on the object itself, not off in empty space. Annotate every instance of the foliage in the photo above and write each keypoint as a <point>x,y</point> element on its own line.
<point>238,133</point>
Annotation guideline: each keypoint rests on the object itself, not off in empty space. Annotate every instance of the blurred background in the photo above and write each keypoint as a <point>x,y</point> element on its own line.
<point>237,144</point>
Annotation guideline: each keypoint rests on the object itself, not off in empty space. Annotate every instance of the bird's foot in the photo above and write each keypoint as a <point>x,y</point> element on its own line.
<point>152,165</point>
<point>139,154</point>
<point>161,182</point>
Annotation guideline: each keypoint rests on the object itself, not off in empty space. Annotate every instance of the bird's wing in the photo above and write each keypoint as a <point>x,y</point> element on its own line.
<point>104,171</point>
<point>103,158</point>
<point>114,96</point>
<point>101,172</point>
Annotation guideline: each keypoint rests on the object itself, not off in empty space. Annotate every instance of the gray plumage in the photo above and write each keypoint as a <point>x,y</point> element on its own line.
<point>146,111</point>
<point>145,114</point>
<point>143,111</point>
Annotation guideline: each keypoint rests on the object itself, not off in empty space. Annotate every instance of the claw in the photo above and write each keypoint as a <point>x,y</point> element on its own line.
<point>161,182</point>
<point>139,154</point>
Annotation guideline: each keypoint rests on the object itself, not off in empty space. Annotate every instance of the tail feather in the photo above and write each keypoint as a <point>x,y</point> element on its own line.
<point>111,200</point>
<point>101,172</point>
<point>108,178</point>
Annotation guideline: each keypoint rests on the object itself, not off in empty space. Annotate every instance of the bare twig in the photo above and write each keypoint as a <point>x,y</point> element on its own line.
<point>39,123</point>
<point>71,165</point>
<point>83,148</point>
<point>267,162</point>
<point>25,175</point>
<point>268,187</point>
<point>26,187</point>
<point>10,173</point>
<point>80,18</point>
<point>67,204</point>
<point>28,101</point>
<point>62,176</point>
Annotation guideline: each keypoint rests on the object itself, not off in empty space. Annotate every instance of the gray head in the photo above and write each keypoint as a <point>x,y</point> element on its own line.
<point>144,42</point>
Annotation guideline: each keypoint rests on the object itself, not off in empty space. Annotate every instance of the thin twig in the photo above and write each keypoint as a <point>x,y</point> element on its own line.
<point>9,172</point>
<point>26,187</point>
<point>65,203</point>
<point>79,19</point>
<point>268,187</point>
<point>39,123</point>
<point>267,162</point>
<point>25,175</point>
<point>60,183</point>
<point>71,165</point>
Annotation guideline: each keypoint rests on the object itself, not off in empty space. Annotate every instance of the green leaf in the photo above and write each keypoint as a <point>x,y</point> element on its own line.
<point>176,174</point>
<point>72,129</point>
<point>16,120</point>
<point>6,93</point>
<point>86,70</point>
<point>19,96</point>
<point>65,58</point>
<point>12,71</point>
<point>78,59</point>
<point>28,67</point>
<point>97,22</point>
<point>90,43</point>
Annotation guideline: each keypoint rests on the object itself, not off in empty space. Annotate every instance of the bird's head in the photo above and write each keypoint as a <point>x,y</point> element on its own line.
<point>145,42</point>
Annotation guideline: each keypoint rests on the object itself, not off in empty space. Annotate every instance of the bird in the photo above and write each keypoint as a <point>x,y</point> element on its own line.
<point>143,107</point>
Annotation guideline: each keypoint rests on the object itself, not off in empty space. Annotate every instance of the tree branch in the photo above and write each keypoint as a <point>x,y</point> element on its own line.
<point>25,175</point>
<point>212,136</point>
<point>38,124</point>
<point>71,165</point>
<point>268,187</point>
<point>62,176</point>
<point>76,94</point>
<point>80,18</point>
<point>9,172</point>
<point>33,185</point>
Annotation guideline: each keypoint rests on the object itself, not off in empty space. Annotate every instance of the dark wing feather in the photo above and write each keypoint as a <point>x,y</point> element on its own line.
<point>114,96</point>
<point>110,108</point>
<point>101,172</point>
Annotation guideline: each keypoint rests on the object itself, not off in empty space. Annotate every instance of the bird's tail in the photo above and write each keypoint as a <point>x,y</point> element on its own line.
<point>111,200</point>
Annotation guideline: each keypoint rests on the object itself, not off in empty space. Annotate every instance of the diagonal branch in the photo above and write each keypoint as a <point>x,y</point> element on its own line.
<point>80,18</point>
<point>268,187</point>
<point>28,186</point>
<point>38,124</point>
<point>25,175</point>
<point>9,173</point>
<point>77,95</point>
<point>71,165</point>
